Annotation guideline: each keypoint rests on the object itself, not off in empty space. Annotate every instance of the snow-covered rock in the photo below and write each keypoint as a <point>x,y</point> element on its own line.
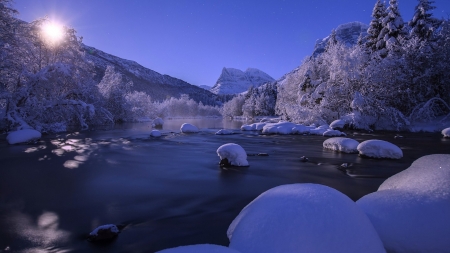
<point>234,81</point>
<point>411,210</point>
<point>104,232</point>
<point>253,127</point>
<point>158,122</point>
<point>224,132</point>
<point>188,128</point>
<point>446,132</point>
<point>235,154</point>
<point>278,128</point>
<point>247,128</point>
<point>319,130</point>
<point>300,129</point>
<point>379,149</point>
<point>338,124</point>
<point>341,144</point>
<point>331,133</point>
<point>303,218</point>
<point>199,248</point>
<point>155,133</point>
<point>21,136</point>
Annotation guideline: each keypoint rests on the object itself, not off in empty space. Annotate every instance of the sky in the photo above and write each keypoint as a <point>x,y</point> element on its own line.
<point>194,39</point>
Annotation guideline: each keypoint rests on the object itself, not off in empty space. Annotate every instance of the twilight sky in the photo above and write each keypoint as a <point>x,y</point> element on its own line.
<point>194,39</point>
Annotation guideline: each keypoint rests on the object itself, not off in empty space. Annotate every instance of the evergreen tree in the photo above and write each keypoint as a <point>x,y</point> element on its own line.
<point>423,24</point>
<point>393,27</point>
<point>375,26</point>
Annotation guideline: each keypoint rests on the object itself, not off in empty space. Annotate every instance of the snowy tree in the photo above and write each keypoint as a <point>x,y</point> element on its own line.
<point>393,27</point>
<point>376,25</point>
<point>423,25</point>
<point>233,107</point>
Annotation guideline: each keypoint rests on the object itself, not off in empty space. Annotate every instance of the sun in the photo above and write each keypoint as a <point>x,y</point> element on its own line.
<point>53,31</point>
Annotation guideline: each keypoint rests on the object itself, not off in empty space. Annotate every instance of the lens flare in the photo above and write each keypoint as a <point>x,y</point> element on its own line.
<point>53,31</point>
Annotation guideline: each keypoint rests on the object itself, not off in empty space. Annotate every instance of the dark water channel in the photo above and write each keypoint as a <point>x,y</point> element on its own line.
<point>166,191</point>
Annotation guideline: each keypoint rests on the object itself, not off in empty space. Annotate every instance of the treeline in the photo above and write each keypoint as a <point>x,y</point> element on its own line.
<point>396,76</point>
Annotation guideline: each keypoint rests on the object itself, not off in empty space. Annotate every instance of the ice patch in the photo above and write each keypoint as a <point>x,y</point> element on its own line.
<point>21,136</point>
<point>446,132</point>
<point>235,154</point>
<point>303,218</point>
<point>199,248</point>
<point>411,209</point>
<point>379,149</point>
<point>341,144</point>
<point>188,128</point>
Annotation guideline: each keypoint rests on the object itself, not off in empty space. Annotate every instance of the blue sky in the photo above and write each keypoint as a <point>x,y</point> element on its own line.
<point>194,39</point>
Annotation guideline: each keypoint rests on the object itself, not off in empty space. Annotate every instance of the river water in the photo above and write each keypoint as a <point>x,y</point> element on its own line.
<point>166,191</point>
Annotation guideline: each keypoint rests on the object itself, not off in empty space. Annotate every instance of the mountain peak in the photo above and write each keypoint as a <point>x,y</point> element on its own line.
<point>233,81</point>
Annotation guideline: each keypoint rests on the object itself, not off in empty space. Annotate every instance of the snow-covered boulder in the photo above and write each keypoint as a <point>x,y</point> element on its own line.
<point>258,126</point>
<point>446,132</point>
<point>104,232</point>
<point>319,130</point>
<point>338,124</point>
<point>224,132</point>
<point>199,248</point>
<point>278,128</point>
<point>411,210</point>
<point>158,122</point>
<point>234,153</point>
<point>331,133</point>
<point>247,128</point>
<point>303,218</point>
<point>300,129</point>
<point>21,136</point>
<point>341,144</point>
<point>155,133</point>
<point>379,149</point>
<point>188,128</point>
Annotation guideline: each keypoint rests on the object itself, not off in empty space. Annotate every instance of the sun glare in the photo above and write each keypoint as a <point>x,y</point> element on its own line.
<point>53,31</point>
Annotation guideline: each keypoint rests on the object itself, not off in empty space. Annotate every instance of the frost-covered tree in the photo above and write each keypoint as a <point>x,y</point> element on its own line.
<point>423,25</point>
<point>233,107</point>
<point>373,41</point>
<point>393,27</point>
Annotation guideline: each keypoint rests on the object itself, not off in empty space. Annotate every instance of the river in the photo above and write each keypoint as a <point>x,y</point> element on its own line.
<point>166,191</point>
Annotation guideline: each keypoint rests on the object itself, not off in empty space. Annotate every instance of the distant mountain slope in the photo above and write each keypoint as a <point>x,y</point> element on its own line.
<point>158,86</point>
<point>234,81</point>
<point>346,33</point>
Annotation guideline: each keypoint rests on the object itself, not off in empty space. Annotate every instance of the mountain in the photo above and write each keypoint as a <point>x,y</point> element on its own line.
<point>158,86</point>
<point>346,33</point>
<point>206,87</point>
<point>234,81</point>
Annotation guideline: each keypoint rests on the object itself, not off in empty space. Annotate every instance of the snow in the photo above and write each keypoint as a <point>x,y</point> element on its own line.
<point>21,136</point>
<point>332,133</point>
<point>319,130</point>
<point>199,248</point>
<point>247,128</point>
<point>158,122</point>
<point>253,127</point>
<point>188,128</point>
<point>379,149</point>
<point>303,218</point>
<point>446,132</point>
<point>235,81</point>
<point>300,129</point>
<point>338,124</point>
<point>155,133</point>
<point>410,210</point>
<point>341,144</point>
<point>224,132</point>
<point>111,227</point>
<point>235,154</point>
<point>278,128</point>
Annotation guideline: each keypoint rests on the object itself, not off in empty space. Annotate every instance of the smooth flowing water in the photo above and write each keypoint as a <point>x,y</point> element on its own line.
<point>166,191</point>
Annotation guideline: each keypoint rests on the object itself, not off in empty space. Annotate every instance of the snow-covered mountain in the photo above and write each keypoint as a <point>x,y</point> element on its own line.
<point>158,86</point>
<point>206,87</point>
<point>234,81</point>
<point>347,33</point>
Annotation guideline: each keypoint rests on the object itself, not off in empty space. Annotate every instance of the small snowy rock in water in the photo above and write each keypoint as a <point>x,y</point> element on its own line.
<point>104,232</point>
<point>199,248</point>
<point>446,132</point>
<point>398,136</point>
<point>234,153</point>
<point>338,124</point>
<point>158,122</point>
<point>224,132</point>
<point>304,159</point>
<point>21,136</point>
<point>155,133</point>
<point>303,218</point>
<point>411,209</point>
<point>379,149</point>
<point>341,144</point>
<point>331,133</point>
<point>188,128</point>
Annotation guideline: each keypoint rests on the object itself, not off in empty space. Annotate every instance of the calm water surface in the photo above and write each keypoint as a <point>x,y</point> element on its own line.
<point>166,191</point>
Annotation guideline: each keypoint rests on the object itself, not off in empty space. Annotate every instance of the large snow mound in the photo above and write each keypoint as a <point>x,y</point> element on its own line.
<point>379,149</point>
<point>21,136</point>
<point>303,218</point>
<point>235,154</point>
<point>188,128</point>
<point>341,144</point>
<point>278,128</point>
<point>338,124</point>
<point>411,210</point>
<point>199,248</point>
<point>446,132</point>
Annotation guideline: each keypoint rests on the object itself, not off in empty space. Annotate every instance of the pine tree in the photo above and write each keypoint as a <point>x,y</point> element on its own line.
<point>375,26</point>
<point>423,24</point>
<point>393,27</point>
